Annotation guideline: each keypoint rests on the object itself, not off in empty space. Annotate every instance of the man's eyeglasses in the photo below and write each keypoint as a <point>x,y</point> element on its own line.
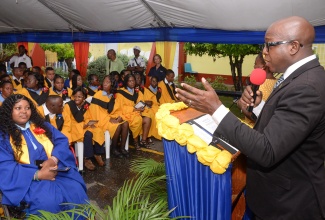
<point>272,44</point>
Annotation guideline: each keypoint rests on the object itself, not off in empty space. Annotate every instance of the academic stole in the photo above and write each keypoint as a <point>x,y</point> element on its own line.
<point>105,105</point>
<point>40,99</point>
<point>41,138</point>
<point>171,93</point>
<point>48,82</point>
<point>157,94</point>
<point>64,96</point>
<point>133,97</point>
<point>90,92</point>
<point>18,83</point>
<point>58,120</point>
<point>78,114</point>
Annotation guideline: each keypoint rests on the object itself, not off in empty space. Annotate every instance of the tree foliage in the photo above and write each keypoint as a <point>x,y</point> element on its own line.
<point>63,51</point>
<point>235,53</point>
<point>7,50</point>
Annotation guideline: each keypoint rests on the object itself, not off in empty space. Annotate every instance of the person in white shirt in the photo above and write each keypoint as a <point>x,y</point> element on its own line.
<point>285,150</point>
<point>137,64</point>
<point>20,57</point>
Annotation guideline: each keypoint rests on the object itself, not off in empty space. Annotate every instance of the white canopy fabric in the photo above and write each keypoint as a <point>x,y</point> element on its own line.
<point>21,17</point>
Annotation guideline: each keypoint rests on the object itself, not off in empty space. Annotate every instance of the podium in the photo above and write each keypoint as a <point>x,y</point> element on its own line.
<point>194,190</point>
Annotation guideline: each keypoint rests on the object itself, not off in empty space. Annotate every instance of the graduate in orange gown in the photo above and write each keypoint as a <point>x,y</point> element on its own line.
<point>17,78</point>
<point>138,119</point>
<point>35,89</point>
<point>6,89</point>
<point>93,84</point>
<point>51,110</point>
<point>152,107</point>
<point>168,88</point>
<point>59,89</point>
<point>107,111</point>
<point>81,130</point>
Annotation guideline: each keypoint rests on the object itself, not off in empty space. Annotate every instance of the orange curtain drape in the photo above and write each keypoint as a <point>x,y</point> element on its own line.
<point>150,62</point>
<point>81,50</point>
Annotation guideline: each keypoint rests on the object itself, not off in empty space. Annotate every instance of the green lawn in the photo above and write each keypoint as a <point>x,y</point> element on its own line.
<point>228,101</point>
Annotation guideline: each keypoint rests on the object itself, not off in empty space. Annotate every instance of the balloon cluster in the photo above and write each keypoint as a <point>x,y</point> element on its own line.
<point>170,129</point>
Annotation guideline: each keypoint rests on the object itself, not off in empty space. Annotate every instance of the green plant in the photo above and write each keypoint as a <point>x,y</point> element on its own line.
<point>6,50</point>
<point>235,53</point>
<point>62,73</point>
<point>143,197</point>
<point>98,66</point>
<point>190,80</point>
<point>218,83</point>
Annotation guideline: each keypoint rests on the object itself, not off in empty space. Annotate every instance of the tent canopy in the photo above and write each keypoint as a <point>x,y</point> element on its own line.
<point>222,21</point>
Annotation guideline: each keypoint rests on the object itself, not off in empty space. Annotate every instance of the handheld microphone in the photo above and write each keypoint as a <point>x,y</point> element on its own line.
<point>257,78</point>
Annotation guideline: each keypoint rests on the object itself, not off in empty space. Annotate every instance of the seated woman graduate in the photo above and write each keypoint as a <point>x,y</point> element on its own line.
<point>68,82</point>
<point>25,141</point>
<point>139,121</point>
<point>82,129</point>
<point>35,89</point>
<point>6,89</point>
<point>77,81</point>
<point>153,94</point>
<point>93,84</point>
<point>151,107</point>
<point>59,89</point>
<point>108,113</point>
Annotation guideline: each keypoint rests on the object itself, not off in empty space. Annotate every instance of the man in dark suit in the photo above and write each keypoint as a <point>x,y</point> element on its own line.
<point>285,150</point>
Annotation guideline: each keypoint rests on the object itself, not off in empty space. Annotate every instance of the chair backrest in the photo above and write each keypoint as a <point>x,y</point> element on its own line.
<point>187,67</point>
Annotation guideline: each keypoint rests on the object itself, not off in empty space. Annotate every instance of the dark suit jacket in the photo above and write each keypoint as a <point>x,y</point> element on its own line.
<point>286,149</point>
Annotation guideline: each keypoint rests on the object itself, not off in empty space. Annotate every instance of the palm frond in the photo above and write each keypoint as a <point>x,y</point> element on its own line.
<point>147,167</point>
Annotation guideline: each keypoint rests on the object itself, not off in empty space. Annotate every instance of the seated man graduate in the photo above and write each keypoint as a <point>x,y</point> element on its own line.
<point>52,111</point>
<point>168,88</point>
<point>25,139</point>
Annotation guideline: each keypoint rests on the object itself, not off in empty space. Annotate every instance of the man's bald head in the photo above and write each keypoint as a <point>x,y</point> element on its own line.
<point>295,36</point>
<point>296,29</point>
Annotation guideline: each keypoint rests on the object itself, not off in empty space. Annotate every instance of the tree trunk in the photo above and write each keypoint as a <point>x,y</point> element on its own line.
<point>233,71</point>
<point>69,63</point>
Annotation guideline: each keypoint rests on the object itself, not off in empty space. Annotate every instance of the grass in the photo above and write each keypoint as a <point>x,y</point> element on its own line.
<point>228,101</point>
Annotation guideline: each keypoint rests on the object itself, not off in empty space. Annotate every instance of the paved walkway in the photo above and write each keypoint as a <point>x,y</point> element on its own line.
<point>104,182</point>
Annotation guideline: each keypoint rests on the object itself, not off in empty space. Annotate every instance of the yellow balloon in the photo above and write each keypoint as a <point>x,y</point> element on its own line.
<point>197,142</point>
<point>190,148</point>
<point>224,158</point>
<point>216,168</point>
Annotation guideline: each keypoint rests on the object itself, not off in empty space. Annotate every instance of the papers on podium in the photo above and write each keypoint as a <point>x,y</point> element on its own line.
<point>204,127</point>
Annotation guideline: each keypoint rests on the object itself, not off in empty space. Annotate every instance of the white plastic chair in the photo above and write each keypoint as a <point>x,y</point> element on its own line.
<point>108,144</point>
<point>79,150</point>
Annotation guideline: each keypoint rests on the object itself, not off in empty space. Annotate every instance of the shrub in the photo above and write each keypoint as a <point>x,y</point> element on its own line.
<point>98,66</point>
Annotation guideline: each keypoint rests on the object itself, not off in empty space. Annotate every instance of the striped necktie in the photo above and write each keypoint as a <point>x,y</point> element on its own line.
<point>280,80</point>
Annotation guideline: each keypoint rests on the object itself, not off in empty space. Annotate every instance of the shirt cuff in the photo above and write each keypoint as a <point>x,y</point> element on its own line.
<point>219,114</point>
<point>257,110</point>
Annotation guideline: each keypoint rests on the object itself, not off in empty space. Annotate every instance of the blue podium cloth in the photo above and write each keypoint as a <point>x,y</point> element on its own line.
<point>193,188</point>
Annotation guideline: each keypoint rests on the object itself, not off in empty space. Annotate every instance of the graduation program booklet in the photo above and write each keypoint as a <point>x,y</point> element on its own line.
<point>204,127</point>
<point>140,104</point>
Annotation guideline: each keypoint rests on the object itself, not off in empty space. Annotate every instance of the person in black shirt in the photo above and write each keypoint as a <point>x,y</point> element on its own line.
<point>158,70</point>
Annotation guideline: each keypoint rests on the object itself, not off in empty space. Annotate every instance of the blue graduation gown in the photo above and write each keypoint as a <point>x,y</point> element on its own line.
<point>17,185</point>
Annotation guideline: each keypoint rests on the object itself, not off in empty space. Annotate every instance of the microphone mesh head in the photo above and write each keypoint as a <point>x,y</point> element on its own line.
<point>258,76</point>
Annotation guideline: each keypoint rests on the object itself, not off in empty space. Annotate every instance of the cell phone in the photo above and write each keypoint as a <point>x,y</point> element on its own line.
<point>63,169</point>
<point>38,163</point>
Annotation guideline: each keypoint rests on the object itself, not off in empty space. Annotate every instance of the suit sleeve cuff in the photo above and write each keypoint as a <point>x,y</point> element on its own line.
<point>219,114</point>
<point>257,110</point>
